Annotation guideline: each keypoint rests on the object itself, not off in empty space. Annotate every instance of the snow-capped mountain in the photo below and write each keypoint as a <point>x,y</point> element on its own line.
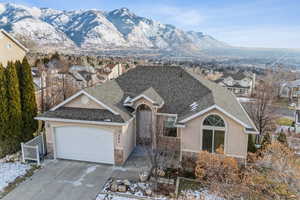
<point>96,29</point>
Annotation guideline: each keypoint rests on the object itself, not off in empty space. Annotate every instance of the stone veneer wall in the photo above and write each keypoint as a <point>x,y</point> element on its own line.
<point>119,157</point>
<point>168,143</point>
<point>49,149</point>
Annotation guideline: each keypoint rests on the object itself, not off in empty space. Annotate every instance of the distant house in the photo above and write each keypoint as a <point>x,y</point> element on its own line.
<point>10,48</point>
<point>289,89</point>
<point>111,71</point>
<point>82,76</point>
<point>240,83</point>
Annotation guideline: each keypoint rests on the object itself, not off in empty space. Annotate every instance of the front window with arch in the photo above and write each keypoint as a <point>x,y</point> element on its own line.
<point>213,133</point>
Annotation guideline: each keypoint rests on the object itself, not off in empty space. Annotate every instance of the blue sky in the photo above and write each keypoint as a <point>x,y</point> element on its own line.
<point>247,23</point>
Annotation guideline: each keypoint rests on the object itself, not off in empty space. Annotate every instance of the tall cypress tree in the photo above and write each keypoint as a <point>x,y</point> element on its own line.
<point>251,144</point>
<point>28,101</point>
<point>14,124</point>
<point>3,112</point>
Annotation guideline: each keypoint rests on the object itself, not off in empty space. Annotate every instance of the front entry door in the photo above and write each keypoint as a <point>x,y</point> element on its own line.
<point>144,125</point>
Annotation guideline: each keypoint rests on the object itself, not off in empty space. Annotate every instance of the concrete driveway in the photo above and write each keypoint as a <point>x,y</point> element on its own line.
<point>63,180</point>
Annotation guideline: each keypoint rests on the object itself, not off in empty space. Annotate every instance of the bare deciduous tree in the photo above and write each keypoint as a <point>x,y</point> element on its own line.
<point>261,110</point>
<point>158,153</point>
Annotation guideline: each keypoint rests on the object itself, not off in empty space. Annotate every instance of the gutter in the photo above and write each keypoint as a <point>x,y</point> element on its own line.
<point>81,121</point>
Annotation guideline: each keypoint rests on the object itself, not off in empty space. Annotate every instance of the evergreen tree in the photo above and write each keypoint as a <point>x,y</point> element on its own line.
<point>266,140</point>
<point>251,145</point>
<point>14,124</point>
<point>28,101</point>
<point>282,138</point>
<point>3,112</point>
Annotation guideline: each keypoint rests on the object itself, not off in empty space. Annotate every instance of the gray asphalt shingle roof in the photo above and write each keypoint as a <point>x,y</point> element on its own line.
<point>83,114</point>
<point>182,93</point>
<point>227,101</point>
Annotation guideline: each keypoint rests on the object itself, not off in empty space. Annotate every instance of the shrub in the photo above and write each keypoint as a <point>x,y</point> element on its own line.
<point>282,138</point>
<point>214,167</point>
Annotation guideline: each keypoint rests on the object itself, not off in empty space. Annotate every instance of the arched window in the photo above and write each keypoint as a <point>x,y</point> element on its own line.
<point>213,133</point>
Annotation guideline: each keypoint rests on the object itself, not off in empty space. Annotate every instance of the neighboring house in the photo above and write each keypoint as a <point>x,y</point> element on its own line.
<point>240,83</point>
<point>111,71</point>
<point>106,122</point>
<point>10,48</point>
<point>289,89</point>
<point>82,76</point>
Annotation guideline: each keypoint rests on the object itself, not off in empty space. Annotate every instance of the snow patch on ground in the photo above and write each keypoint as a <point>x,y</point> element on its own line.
<point>200,195</point>
<point>79,181</point>
<point>112,197</point>
<point>116,197</point>
<point>245,100</point>
<point>10,171</point>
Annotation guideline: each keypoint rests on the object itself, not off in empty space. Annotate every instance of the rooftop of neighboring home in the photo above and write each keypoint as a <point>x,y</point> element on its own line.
<point>292,84</point>
<point>171,89</point>
<point>236,76</point>
<point>82,68</point>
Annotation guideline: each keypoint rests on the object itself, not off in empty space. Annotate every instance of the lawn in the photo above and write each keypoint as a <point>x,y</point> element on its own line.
<point>284,121</point>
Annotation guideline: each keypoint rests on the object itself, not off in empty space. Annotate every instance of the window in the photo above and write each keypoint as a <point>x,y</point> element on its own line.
<point>169,127</point>
<point>213,133</point>
<point>8,46</point>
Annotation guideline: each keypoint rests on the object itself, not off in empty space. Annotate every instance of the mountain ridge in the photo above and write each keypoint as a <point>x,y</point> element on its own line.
<point>92,28</point>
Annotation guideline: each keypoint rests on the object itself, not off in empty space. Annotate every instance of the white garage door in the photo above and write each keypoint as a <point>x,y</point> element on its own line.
<point>84,144</point>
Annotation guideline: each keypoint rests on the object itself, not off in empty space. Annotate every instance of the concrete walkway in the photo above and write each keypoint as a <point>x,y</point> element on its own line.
<point>63,180</point>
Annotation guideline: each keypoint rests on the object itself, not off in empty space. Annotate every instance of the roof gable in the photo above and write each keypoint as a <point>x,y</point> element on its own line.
<point>150,95</point>
<point>82,92</point>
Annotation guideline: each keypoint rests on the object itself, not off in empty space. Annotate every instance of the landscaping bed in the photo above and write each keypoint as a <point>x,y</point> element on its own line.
<point>192,189</point>
<point>128,189</point>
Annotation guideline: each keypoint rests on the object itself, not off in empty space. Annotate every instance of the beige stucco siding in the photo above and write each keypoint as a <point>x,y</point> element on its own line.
<point>9,50</point>
<point>235,138</point>
<point>128,138</point>
<point>79,102</point>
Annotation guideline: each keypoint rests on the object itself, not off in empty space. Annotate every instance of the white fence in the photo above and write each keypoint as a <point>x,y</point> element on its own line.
<point>34,149</point>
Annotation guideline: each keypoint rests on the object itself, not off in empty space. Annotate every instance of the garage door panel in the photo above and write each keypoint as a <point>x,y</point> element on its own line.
<point>84,144</point>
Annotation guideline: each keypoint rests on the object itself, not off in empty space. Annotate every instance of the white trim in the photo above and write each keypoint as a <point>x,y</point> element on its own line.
<point>142,96</point>
<point>180,125</point>
<point>251,132</point>
<point>166,114</point>
<point>213,129</point>
<point>88,95</point>
<point>190,150</point>
<point>211,108</point>
<point>236,156</point>
<point>14,40</point>
<point>80,121</point>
